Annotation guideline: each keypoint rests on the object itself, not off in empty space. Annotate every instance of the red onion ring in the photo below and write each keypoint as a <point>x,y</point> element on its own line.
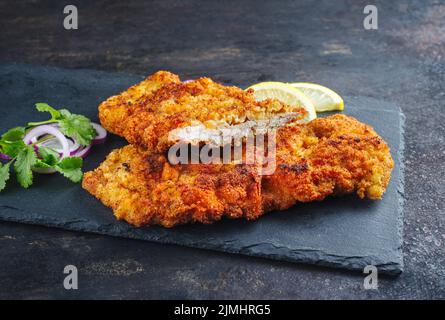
<point>5,157</point>
<point>46,129</point>
<point>73,145</point>
<point>83,151</point>
<point>68,147</point>
<point>101,133</point>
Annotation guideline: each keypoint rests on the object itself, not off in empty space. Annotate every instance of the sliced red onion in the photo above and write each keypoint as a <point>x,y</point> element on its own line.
<point>5,156</point>
<point>60,143</point>
<point>54,144</point>
<point>47,129</point>
<point>187,81</point>
<point>83,151</point>
<point>101,133</point>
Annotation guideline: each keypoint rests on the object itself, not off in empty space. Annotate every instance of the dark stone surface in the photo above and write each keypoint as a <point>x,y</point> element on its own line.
<point>241,43</point>
<point>343,232</point>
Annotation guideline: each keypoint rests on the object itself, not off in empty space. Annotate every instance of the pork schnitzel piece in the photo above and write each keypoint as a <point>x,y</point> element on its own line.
<point>328,156</point>
<point>146,113</point>
<point>143,188</point>
<point>117,110</point>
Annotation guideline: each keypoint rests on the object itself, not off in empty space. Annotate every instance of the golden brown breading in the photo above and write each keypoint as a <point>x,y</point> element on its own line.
<point>116,110</point>
<point>329,156</point>
<point>143,188</point>
<point>146,113</point>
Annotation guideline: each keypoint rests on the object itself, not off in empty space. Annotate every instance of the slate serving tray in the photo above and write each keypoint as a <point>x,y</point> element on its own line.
<point>339,232</point>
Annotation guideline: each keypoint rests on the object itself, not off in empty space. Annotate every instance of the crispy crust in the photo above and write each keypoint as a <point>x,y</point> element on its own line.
<point>329,156</point>
<point>143,188</point>
<point>148,111</point>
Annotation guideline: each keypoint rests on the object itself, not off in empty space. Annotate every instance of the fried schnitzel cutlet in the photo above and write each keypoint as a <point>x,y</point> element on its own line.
<point>328,156</point>
<point>148,112</point>
<point>143,188</point>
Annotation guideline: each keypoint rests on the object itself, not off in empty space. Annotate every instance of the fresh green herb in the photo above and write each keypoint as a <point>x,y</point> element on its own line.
<point>77,127</point>
<point>4,175</point>
<point>14,134</point>
<point>72,125</point>
<point>71,168</point>
<point>11,148</point>
<point>24,157</point>
<point>48,157</point>
<point>23,164</point>
<point>44,107</point>
<point>11,142</point>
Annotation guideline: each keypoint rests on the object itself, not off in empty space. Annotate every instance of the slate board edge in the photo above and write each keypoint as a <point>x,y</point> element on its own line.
<point>310,257</point>
<point>401,183</point>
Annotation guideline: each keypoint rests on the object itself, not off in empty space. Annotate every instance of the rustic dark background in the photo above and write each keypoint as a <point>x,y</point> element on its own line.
<point>240,42</point>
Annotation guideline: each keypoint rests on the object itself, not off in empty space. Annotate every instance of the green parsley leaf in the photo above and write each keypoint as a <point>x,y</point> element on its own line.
<point>44,107</point>
<point>11,149</point>
<point>4,174</point>
<point>71,168</point>
<point>49,156</point>
<point>77,126</point>
<point>26,158</point>
<point>72,125</point>
<point>14,134</point>
<point>41,164</point>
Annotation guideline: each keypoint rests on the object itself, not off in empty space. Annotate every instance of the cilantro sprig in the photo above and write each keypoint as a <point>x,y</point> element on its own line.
<point>23,157</point>
<point>72,125</point>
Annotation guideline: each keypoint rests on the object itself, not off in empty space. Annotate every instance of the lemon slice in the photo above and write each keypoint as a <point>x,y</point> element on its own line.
<point>285,93</point>
<point>324,99</point>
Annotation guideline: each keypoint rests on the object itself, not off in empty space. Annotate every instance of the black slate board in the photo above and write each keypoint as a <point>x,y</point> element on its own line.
<point>339,232</point>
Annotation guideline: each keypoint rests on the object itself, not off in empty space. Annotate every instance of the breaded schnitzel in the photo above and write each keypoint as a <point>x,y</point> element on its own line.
<point>143,188</point>
<point>328,156</point>
<point>146,113</point>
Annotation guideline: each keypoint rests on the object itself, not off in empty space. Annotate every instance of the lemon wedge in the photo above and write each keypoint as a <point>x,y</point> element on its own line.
<point>324,99</point>
<point>285,93</point>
